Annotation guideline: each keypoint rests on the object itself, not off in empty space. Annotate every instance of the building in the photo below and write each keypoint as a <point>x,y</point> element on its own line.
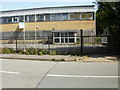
<point>61,22</point>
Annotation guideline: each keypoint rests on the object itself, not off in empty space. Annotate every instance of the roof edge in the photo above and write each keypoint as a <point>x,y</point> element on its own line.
<point>48,8</point>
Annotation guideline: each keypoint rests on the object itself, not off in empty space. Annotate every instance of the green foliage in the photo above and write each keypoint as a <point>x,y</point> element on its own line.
<point>78,41</point>
<point>20,51</point>
<point>108,18</point>
<point>32,51</point>
<point>6,50</point>
<point>98,40</point>
<point>53,52</point>
<point>40,53</point>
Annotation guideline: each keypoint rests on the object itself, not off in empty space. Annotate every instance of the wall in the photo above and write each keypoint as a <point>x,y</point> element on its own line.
<point>58,25</point>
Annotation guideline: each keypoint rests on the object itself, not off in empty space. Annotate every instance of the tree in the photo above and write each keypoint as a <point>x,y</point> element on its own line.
<point>108,18</point>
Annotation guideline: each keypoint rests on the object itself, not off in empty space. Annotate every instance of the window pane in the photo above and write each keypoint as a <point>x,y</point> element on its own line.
<point>71,34</point>
<point>57,40</point>
<point>58,17</point>
<point>66,40</point>
<point>47,17</point>
<point>65,16</point>
<point>62,35</point>
<point>39,18</point>
<point>71,40</point>
<point>6,20</point>
<point>62,40</point>
<point>16,19</point>
<point>21,19</point>
<point>75,16</point>
<point>56,34</point>
<point>52,17</point>
<point>87,16</point>
<point>32,18</point>
<point>27,18</point>
<point>66,34</point>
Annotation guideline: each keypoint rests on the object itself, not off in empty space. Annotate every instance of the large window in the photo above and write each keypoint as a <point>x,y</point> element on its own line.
<point>64,37</point>
<point>39,18</point>
<point>87,16</point>
<point>75,16</point>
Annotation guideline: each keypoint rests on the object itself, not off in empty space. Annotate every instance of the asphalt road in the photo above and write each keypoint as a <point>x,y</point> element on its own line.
<point>44,74</point>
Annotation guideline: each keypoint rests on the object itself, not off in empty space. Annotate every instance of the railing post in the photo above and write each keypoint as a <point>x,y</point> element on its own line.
<point>81,50</point>
<point>48,43</point>
<point>16,43</point>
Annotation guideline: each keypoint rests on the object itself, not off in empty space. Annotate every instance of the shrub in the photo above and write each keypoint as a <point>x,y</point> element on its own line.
<point>77,41</point>
<point>20,51</point>
<point>44,52</point>
<point>31,50</point>
<point>40,53</point>
<point>98,40</point>
<point>27,53</point>
<point>53,52</point>
<point>6,50</point>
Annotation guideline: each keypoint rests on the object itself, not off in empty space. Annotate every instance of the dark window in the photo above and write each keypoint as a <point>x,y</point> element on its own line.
<point>26,18</point>
<point>62,40</point>
<point>6,20</point>
<point>31,18</point>
<point>62,35</point>
<point>57,40</point>
<point>21,19</point>
<point>71,34</point>
<point>56,34</point>
<point>0,20</point>
<point>39,18</point>
<point>66,40</point>
<point>71,40</point>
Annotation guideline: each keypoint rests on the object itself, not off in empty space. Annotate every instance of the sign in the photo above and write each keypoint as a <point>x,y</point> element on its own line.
<point>21,25</point>
<point>104,40</point>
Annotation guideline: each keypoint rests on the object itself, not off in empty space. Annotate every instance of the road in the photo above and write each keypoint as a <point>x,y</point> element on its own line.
<point>45,74</point>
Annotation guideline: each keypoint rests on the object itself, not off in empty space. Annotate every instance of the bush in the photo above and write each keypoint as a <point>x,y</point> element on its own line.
<point>98,40</point>
<point>77,41</point>
<point>44,52</point>
<point>8,50</point>
<point>40,53</point>
<point>20,51</point>
<point>31,51</point>
<point>53,52</point>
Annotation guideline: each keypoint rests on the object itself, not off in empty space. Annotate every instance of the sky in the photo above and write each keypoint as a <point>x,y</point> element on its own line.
<point>20,4</point>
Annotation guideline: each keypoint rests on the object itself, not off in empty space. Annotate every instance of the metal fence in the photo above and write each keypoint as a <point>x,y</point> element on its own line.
<point>80,44</point>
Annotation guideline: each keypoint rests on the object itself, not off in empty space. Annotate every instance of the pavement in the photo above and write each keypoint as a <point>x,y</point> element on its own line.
<point>48,74</point>
<point>92,58</point>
